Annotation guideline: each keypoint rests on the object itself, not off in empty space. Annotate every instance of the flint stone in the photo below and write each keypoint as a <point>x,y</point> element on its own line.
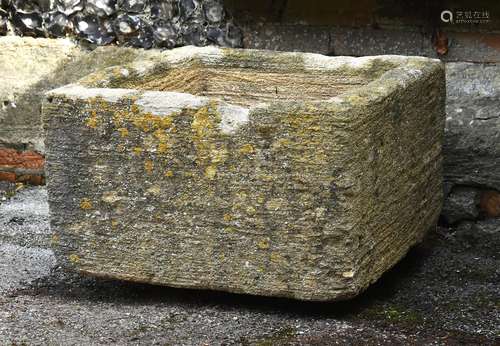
<point>461,204</point>
<point>277,174</point>
<point>31,67</point>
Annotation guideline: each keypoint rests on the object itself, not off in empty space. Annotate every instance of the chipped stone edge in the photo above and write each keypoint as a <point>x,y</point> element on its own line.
<point>161,103</point>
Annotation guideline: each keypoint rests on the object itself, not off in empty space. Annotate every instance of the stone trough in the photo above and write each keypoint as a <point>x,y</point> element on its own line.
<point>278,174</point>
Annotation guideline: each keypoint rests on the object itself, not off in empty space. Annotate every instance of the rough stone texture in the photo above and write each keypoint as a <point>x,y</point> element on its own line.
<point>283,174</point>
<point>443,292</point>
<point>461,204</point>
<point>26,64</point>
<point>30,67</point>
<point>472,140</point>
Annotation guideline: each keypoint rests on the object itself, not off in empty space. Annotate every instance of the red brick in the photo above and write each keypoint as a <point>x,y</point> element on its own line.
<point>12,160</point>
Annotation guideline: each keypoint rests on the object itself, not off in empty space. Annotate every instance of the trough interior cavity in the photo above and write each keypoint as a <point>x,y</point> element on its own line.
<point>249,86</point>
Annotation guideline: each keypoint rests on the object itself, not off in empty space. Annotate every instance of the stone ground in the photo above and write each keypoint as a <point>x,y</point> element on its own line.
<point>445,292</point>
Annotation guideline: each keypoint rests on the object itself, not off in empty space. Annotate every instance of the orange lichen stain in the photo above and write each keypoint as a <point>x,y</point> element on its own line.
<point>247,149</point>
<point>92,121</point>
<point>227,217</point>
<point>148,166</point>
<point>162,148</point>
<point>144,122</point>
<point>73,258</point>
<point>166,122</point>
<point>169,174</point>
<point>210,172</point>
<point>201,124</point>
<point>263,244</point>
<point>160,134</point>
<point>86,204</point>
<point>137,150</point>
<point>123,132</point>
<point>149,122</point>
<point>134,108</point>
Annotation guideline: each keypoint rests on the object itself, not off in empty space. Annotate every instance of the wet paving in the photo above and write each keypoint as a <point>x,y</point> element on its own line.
<point>445,292</point>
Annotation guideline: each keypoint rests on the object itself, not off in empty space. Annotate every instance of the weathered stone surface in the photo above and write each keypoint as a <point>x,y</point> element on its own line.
<point>26,64</point>
<point>461,204</point>
<point>472,141</point>
<point>30,67</point>
<point>281,174</point>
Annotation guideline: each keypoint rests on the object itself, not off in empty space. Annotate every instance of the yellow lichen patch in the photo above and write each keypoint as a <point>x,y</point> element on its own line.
<point>123,132</point>
<point>134,108</point>
<point>282,143</point>
<point>210,172</point>
<point>202,124</point>
<point>263,244</point>
<point>92,120</point>
<point>266,177</point>
<point>274,204</point>
<point>73,258</point>
<point>137,150</point>
<point>275,257</point>
<point>146,122</point>
<point>85,204</point>
<point>169,174</point>
<point>230,229</point>
<point>148,166</point>
<point>110,197</point>
<point>118,118</point>
<point>55,239</point>
<point>160,134</point>
<point>250,210</point>
<point>114,223</point>
<point>166,122</point>
<point>162,148</point>
<point>227,217</point>
<point>247,149</point>
<point>154,190</point>
<point>348,274</point>
<point>218,155</point>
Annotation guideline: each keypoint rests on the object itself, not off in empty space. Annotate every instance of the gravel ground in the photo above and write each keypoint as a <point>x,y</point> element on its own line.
<point>445,292</point>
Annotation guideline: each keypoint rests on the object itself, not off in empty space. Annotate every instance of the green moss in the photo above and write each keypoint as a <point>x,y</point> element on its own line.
<point>394,314</point>
<point>280,337</point>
